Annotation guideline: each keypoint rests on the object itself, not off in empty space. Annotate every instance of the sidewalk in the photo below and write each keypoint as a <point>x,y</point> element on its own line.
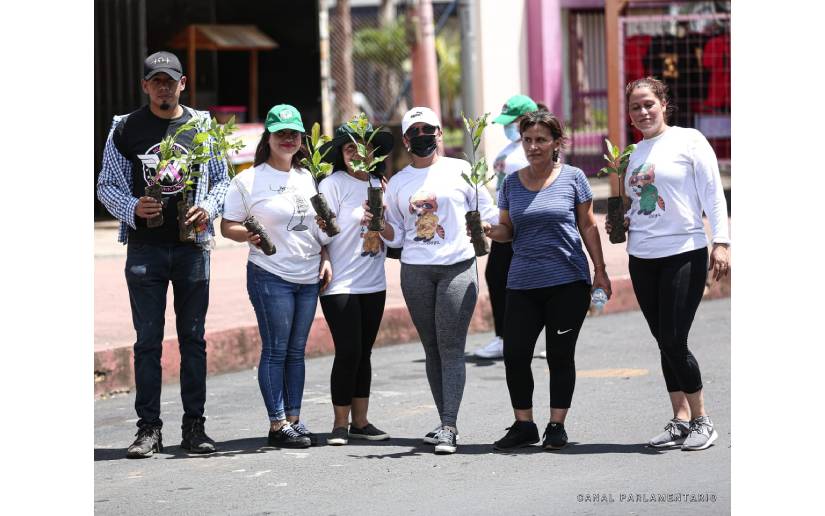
<point>232,336</point>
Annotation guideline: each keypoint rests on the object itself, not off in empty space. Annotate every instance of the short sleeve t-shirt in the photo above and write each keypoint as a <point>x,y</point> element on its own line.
<point>510,159</point>
<point>279,200</point>
<point>357,255</point>
<point>426,208</point>
<point>138,137</point>
<point>547,246</point>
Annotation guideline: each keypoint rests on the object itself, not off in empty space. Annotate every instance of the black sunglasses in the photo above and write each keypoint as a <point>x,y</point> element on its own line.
<point>424,129</point>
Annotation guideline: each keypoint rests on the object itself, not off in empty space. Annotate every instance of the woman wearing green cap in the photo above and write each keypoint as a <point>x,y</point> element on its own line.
<point>353,303</point>
<point>283,287</point>
<point>510,159</point>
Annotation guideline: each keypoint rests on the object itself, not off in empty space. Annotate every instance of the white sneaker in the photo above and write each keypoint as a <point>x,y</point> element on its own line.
<point>495,349</point>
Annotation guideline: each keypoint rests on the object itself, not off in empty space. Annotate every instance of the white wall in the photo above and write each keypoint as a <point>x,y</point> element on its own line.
<point>503,60</point>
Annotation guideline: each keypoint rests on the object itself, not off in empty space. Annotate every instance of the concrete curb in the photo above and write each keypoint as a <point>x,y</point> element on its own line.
<point>236,349</point>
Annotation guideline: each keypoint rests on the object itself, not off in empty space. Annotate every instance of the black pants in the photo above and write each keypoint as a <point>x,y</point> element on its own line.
<point>498,265</point>
<point>353,321</point>
<point>669,290</point>
<point>560,310</point>
<point>149,270</point>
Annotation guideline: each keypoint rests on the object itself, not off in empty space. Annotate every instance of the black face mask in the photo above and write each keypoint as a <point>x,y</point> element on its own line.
<point>423,145</point>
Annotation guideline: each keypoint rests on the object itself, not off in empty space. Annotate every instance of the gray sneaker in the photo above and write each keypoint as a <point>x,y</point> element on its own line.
<point>675,434</point>
<point>432,437</point>
<point>446,441</point>
<point>702,434</point>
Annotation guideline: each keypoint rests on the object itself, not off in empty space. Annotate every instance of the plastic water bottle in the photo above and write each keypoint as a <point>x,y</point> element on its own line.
<point>598,298</point>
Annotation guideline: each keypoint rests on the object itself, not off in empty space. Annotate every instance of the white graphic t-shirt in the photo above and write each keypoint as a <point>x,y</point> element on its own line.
<point>671,179</point>
<point>357,255</point>
<point>279,200</point>
<point>426,208</point>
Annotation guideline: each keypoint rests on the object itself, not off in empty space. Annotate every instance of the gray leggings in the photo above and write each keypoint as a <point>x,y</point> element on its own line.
<point>441,300</point>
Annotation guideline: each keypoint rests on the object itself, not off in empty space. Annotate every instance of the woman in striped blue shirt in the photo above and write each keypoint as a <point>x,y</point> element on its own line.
<point>547,212</point>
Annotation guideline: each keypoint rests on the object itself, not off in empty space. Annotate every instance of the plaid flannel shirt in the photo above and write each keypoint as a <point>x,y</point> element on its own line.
<point>114,186</point>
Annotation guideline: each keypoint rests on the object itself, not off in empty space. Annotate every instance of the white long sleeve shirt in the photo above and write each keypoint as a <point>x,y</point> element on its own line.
<point>671,179</point>
<point>426,207</point>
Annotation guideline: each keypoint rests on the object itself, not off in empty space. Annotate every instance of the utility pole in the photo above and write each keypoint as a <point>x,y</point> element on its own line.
<point>342,62</point>
<point>468,15</point>
<point>424,65</point>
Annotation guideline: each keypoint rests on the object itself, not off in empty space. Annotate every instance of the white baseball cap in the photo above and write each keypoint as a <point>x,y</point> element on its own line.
<point>419,114</point>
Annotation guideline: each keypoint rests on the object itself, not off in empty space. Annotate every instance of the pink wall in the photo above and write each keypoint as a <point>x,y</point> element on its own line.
<point>544,52</point>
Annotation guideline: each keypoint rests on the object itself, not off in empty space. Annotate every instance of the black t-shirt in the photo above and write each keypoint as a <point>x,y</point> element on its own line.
<point>137,136</point>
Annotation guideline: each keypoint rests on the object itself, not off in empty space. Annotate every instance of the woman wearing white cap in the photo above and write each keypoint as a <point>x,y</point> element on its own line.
<point>426,202</point>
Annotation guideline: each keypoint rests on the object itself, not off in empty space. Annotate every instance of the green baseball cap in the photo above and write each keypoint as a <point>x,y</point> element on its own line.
<point>283,116</point>
<point>516,106</point>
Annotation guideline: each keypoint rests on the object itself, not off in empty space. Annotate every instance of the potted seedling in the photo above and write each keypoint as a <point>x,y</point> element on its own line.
<point>188,165</point>
<point>617,161</point>
<point>366,161</point>
<point>319,170</point>
<point>478,177</point>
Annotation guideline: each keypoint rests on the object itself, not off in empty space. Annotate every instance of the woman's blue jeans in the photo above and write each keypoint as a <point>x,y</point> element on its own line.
<point>285,312</point>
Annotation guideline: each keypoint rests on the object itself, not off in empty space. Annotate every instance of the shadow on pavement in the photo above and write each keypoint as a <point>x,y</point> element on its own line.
<point>594,448</point>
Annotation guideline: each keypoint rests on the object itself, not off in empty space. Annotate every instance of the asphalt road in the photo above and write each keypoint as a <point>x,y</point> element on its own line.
<point>620,401</point>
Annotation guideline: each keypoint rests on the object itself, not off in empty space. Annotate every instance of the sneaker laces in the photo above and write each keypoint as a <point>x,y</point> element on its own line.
<point>146,432</point>
<point>300,428</point>
<point>673,428</point>
<point>443,435</point>
<point>700,427</point>
<point>289,431</point>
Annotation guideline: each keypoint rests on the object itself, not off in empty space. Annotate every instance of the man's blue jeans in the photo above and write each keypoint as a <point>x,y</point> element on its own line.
<point>285,312</point>
<point>149,269</point>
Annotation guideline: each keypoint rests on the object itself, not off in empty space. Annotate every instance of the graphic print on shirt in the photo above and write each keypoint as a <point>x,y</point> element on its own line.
<point>372,245</point>
<point>424,205</point>
<point>641,182</point>
<point>299,207</point>
<point>170,178</point>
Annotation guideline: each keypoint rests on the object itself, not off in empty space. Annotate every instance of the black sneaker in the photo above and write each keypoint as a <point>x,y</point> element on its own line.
<point>303,430</point>
<point>287,437</point>
<point>369,433</point>
<point>555,438</point>
<point>338,436</point>
<point>522,433</point>
<point>431,437</point>
<point>194,436</point>
<point>149,441</point>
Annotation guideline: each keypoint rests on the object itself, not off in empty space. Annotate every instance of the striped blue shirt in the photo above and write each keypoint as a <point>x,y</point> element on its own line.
<point>547,247</point>
<point>114,186</point>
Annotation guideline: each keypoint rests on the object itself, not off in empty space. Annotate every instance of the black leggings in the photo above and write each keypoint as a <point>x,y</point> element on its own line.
<point>669,290</point>
<point>560,310</point>
<point>498,265</point>
<point>353,321</point>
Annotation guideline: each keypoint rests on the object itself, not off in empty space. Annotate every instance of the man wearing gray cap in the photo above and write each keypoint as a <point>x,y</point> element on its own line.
<point>155,256</point>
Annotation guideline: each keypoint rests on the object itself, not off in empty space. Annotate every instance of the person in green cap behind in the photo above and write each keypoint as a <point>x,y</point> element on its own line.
<point>283,287</point>
<point>510,159</point>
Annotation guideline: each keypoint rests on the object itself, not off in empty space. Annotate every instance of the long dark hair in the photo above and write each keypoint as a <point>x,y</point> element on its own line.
<point>263,151</point>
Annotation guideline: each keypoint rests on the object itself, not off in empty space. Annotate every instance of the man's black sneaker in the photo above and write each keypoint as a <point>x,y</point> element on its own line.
<point>555,438</point>
<point>522,433</point>
<point>194,438</point>
<point>369,433</point>
<point>287,437</point>
<point>301,428</point>
<point>149,441</point>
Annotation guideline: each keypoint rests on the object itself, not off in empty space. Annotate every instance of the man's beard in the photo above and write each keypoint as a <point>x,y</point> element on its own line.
<point>165,106</point>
